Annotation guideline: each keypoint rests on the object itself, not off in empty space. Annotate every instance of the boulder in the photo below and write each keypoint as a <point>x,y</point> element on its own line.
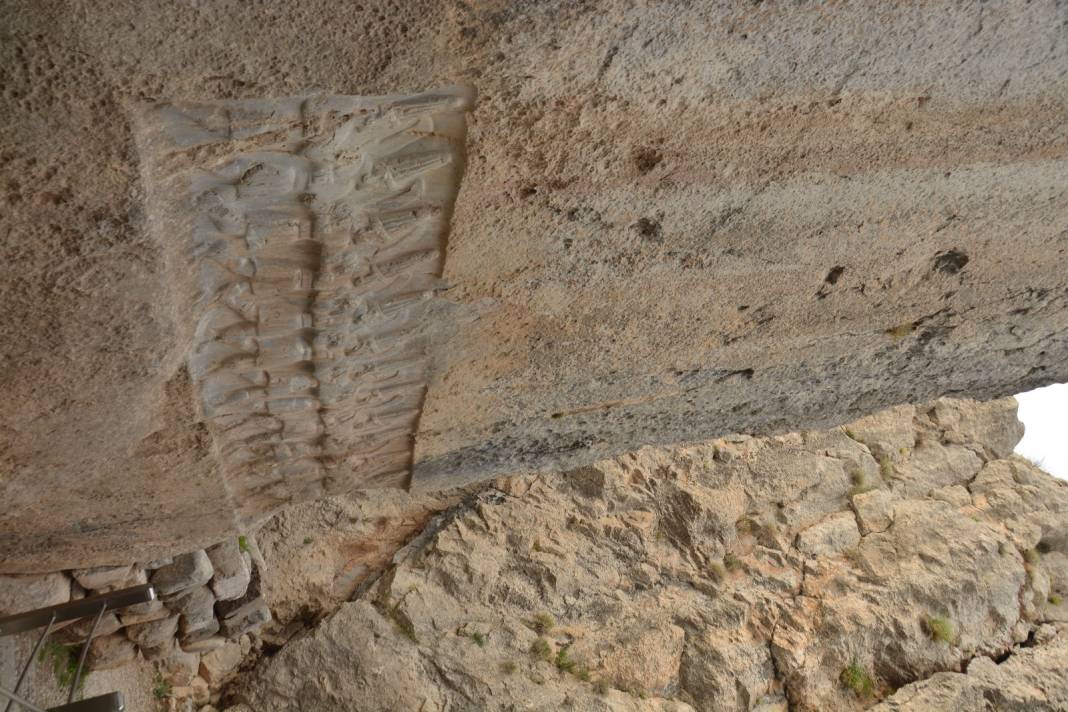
<point>154,633</point>
<point>232,570</point>
<point>187,571</point>
<point>218,664</point>
<point>102,578</point>
<point>251,616</point>
<point>110,651</point>
<point>203,645</point>
<point>197,608</point>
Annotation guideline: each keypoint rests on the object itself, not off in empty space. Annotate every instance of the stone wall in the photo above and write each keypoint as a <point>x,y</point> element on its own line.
<point>209,603</point>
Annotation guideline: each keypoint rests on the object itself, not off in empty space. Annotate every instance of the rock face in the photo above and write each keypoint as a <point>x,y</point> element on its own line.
<point>898,563</point>
<point>677,221</point>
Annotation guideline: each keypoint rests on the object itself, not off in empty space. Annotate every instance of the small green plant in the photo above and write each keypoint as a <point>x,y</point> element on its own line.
<point>582,673</point>
<point>536,546</point>
<point>563,662</point>
<point>601,687</point>
<point>851,435</point>
<point>541,623</point>
<point>1032,557</point>
<point>540,649</point>
<point>717,571</point>
<point>731,562</point>
<point>859,481</point>
<point>63,660</point>
<point>480,640</point>
<point>308,540</point>
<point>855,678</point>
<point>508,667</point>
<point>162,689</point>
<point>1055,599</point>
<point>886,468</point>
<point>242,543</point>
<point>940,629</point>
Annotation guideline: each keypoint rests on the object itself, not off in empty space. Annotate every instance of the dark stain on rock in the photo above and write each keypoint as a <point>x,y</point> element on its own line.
<point>950,262</point>
<point>648,229</point>
<point>646,158</point>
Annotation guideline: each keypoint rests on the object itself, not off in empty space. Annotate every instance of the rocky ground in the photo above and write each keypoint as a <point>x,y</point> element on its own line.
<point>907,561</point>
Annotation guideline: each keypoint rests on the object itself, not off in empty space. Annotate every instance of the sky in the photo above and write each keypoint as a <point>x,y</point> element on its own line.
<point>1044,412</point>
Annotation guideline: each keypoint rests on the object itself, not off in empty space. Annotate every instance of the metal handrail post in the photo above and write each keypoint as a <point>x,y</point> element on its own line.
<point>85,652</point>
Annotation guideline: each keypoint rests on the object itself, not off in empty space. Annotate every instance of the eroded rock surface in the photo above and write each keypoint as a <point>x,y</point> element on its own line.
<point>738,574</point>
<point>678,221</point>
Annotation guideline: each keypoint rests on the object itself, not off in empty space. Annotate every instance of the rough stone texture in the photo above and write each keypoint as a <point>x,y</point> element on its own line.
<point>103,577</point>
<point>232,570</point>
<point>181,667</point>
<point>79,631</point>
<point>197,608</point>
<point>677,221</point>
<point>111,651</point>
<point>154,633</point>
<point>19,594</point>
<point>673,580</point>
<point>218,664</point>
<point>834,534</point>
<point>1031,679</point>
<point>144,612</point>
<point>205,645</point>
<point>187,571</point>
<point>249,617</point>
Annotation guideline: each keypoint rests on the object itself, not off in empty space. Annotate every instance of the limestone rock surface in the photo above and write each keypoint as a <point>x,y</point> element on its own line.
<point>727,576</point>
<point>677,221</point>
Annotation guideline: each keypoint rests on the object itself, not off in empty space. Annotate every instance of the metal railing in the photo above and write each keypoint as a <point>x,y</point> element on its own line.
<point>95,606</point>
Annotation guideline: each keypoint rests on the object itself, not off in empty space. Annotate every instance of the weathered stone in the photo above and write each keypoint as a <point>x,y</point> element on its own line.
<point>197,608</point>
<point>154,633</point>
<point>79,630</point>
<point>875,510</point>
<point>181,667</point>
<point>218,664</point>
<point>224,608</point>
<point>204,645</point>
<point>187,571</point>
<point>143,612</point>
<point>19,594</point>
<point>250,616</point>
<point>159,652</point>
<point>207,629</point>
<point>836,533</point>
<point>102,577</point>
<point>651,243</point>
<point>197,690</point>
<point>232,572</point>
<point>110,651</point>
